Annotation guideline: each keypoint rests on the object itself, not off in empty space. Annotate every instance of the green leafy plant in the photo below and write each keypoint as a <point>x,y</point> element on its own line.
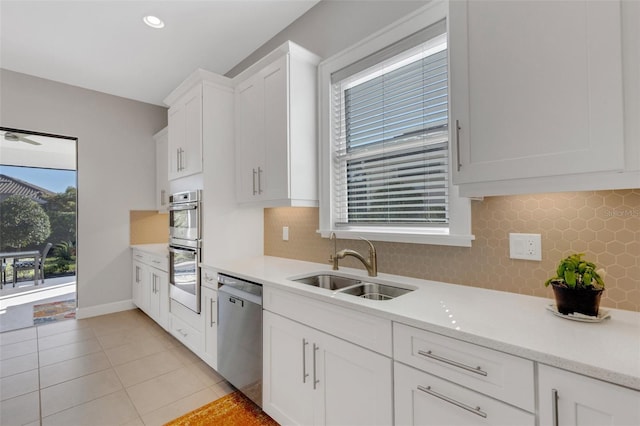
<point>576,273</point>
<point>65,250</point>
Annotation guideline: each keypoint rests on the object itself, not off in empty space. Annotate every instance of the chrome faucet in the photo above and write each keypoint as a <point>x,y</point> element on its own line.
<point>371,264</point>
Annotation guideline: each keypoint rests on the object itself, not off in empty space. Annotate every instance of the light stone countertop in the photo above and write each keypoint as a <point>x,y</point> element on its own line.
<point>155,249</point>
<point>508,322</point>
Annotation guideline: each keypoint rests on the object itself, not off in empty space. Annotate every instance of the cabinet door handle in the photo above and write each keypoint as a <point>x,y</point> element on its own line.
<point>477,411</point>
<point>554,407</point>
<point>162,195</point>
<point>137,274</point>
<point>315,380</point>
<point>259,180</point>
<point>254,181</point>
<point>211,321</point>
<point>476,370</point>
<point>458,128</point>
<point>183,161</point>
<point>304,360</point>
<point>178,159</point>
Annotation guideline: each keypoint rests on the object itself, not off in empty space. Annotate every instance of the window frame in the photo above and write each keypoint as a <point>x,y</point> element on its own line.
<point>459,231</point>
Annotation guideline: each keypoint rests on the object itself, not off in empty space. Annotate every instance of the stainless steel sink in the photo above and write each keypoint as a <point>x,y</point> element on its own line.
<point>375,291</point>
<point>328,281</point>
<point>352,286</point>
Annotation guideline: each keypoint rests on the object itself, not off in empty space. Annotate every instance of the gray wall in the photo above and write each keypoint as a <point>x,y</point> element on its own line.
<point>333,25</point>
<point>116,170</point>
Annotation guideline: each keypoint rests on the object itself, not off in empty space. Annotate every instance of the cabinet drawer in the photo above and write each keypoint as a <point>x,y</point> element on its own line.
<point>186,315</point>
<point>423,399</point>
<point>362,329</point>
<point>502,376</point>
<point>141,256</point>
<point>159,262</point>
<point>186,334</point>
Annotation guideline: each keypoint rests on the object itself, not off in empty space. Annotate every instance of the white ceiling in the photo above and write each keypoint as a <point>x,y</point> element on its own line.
<point>104,45</point>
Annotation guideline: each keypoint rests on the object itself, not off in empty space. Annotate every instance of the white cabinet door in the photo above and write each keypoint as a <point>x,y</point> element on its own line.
<point>287,391</point>
<point>276,131</point>
<point>536,89</point>
<point>577,400</point>
<point>249,138</point>
<point>355,383</point>
<point>185,134</point>
<point>158,307</point>
<point>312,378</point>
<point>423,399</point>
<point>273,182</point>
<point>176,135</point>
<point>262,135</point>
<point>210,334</point>
<point>162,174</point>
<point>141,288</point>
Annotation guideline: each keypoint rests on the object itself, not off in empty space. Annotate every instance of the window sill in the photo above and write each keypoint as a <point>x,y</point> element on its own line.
<point>442,239</point>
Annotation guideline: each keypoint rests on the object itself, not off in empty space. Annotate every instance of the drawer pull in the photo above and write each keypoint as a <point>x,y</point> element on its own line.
<point>182,332</point>
<point>315,380</point>
<point>476,411</point>
<point>554,407</point>
<point>304,360</point>
<point>476,370</point>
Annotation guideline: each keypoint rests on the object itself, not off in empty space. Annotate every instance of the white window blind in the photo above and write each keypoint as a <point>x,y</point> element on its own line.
<point>390,135</point>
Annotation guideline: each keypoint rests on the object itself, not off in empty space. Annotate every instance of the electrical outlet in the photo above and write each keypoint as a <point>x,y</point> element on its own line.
<point>525,246</point>
<point>285,233</point>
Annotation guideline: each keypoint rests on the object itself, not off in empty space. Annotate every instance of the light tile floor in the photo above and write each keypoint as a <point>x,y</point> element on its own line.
<point>117,369</point>
<point>16,303</point>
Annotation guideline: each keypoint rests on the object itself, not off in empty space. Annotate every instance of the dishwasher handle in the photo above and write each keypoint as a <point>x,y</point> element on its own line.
<point>236,301</point>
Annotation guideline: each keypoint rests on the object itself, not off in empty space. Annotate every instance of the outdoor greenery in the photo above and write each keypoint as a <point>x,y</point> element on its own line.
<point>61,209</point>
<point>23,222</point>
<point>27,225</point>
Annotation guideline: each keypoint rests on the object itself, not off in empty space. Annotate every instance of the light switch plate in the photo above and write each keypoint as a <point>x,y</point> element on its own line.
<point>525,246</point>
<point>285,233</point>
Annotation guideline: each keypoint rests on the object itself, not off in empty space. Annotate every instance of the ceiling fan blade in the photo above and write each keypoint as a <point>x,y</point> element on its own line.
<point>30,141</point>
<point>17,137</point>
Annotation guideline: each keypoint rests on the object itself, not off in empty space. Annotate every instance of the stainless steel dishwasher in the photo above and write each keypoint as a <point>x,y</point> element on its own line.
<point>240,335</point>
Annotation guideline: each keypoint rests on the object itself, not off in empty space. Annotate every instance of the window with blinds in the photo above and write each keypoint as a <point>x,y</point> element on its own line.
<point>390,135</point>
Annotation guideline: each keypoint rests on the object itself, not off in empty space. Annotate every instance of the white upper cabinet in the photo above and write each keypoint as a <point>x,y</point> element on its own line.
<point>276,130</point>
<point>162,174</point>
<point>537,96</point>
<point>185,130</point>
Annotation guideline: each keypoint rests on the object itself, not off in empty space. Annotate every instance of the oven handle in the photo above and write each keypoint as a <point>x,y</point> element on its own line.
<point>183,207</point>
<point>176,250</point>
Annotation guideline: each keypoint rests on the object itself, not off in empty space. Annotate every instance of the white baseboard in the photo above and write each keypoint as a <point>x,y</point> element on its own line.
<point>107,308</point>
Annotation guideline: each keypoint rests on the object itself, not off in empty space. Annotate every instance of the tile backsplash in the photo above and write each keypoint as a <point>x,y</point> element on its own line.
<point>605,225</point>
<point>148,227</point>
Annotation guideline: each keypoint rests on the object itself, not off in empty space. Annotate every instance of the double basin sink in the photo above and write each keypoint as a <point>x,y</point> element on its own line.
<point>353,286</point>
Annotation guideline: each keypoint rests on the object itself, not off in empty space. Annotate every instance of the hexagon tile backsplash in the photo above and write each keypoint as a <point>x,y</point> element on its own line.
<point>605,225</point>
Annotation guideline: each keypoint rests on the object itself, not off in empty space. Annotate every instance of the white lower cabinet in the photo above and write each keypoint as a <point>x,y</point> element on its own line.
<point>186,326</point>
<point>150,286</point>
<point>209,313</point>
<point>140,288</point>
<point>567,398</point>
<point>424,399</point>
<point>159,297</point>
<point>313,378</point>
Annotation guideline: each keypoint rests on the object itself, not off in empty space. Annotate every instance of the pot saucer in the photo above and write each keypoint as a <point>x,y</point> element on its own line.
<point>602,315</point>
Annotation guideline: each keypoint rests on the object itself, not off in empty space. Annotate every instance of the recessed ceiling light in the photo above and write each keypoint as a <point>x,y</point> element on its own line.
<point>153,21</point>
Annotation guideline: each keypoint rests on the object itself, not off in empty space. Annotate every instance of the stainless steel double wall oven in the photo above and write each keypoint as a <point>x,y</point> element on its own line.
<point>184,249</point>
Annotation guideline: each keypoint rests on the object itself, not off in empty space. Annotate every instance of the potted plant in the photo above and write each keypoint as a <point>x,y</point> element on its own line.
<point>577,287</point>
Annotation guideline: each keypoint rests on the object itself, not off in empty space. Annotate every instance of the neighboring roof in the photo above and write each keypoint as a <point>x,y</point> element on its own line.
<point>12,186</point>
